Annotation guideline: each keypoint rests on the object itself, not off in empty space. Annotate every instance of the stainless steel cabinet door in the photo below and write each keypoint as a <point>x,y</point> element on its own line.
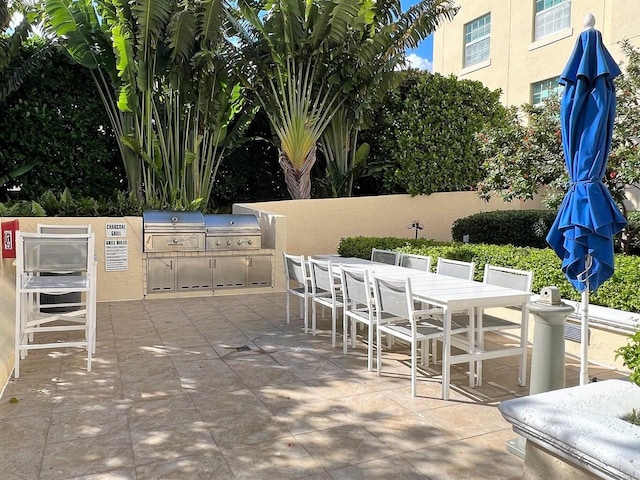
<point>229,272</point>
<point>194,273</point>
<point>161,275</point>
<point>259,271</point>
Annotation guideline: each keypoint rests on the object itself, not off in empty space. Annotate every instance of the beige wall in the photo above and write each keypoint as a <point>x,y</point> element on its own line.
<point>316,226</point>
<point>7,316</point>
<point>515,60</point>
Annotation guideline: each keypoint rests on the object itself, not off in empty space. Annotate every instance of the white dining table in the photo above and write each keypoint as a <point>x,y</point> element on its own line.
<point>455,295</point>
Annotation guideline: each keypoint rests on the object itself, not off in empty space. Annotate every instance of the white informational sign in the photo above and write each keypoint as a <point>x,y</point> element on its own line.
<point>116,230</point>
<point>116,258</point>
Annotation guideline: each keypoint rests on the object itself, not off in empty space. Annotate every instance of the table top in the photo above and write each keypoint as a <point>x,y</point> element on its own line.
<point>438,289</point>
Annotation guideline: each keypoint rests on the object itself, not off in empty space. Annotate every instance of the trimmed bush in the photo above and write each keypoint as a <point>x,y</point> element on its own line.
<point>621,291</point>
<point>522,228</point>
<point>360,247</point>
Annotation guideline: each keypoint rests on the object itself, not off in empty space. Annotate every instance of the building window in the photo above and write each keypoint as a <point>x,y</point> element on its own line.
<point>540,91</point>
<point>476,40</point>
<point>551,17</point>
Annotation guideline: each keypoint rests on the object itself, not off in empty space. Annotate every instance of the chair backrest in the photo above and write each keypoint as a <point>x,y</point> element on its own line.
<point>294,268</point>
<point>508,277</point>
<point>456,268</point>
<point>42,252</point>
<point>322,276</point>
<point>356,287</point>
<point>415,262</point>
<point>393,297</point>
<point>63,229</point>
<point>385,256</point>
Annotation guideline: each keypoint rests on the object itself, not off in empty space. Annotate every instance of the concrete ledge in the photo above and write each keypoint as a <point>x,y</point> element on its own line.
<point>583,427</point>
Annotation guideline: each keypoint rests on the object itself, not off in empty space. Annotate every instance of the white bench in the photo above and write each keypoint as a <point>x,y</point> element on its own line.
<point>604,318</point>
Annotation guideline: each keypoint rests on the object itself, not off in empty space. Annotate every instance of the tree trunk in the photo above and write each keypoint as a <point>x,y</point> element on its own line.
<point>298,181</point>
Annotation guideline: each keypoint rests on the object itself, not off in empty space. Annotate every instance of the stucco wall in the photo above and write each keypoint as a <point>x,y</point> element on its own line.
<point>7,315</point>
<point>316,226</point>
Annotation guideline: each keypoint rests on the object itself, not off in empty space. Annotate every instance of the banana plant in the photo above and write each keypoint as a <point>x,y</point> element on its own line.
<point>170,83</point>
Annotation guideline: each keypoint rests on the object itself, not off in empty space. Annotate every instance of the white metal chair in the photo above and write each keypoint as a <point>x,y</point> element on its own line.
<point>66,301</point>
<point>403,321</point>
<point>502,277</point>
<point>359,307</point>
<point>63,229</point>
<point>325,292</point>
<point>389,257</point>
<point>509,278</point>
<point>299,285</point>
<point>73,255</point>
<point>456,268</point>
<point>415,262</point>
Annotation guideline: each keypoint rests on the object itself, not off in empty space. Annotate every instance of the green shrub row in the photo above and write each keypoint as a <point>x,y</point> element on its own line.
<point>50,205</point>
<point>360,247</point>
<point>522,228</point>
<point>621,291</point>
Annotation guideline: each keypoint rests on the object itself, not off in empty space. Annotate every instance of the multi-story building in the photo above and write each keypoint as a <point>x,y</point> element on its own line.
<point>522,46</point>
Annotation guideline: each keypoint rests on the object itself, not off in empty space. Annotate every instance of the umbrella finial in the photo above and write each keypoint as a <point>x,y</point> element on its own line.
<point>589,21</point>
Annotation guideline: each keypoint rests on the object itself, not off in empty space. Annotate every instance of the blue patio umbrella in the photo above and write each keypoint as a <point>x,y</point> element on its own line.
<point>582,234</point>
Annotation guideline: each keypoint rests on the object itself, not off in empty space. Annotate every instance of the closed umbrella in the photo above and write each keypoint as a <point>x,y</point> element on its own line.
<point>582,234</point>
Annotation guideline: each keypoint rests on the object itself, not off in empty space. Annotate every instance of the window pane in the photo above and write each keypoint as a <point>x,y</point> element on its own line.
<point>540,91</point>
<point>477,35</point>
<point>552,16</point>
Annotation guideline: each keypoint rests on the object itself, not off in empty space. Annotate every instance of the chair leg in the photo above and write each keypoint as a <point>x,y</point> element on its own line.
<point>370,346</point>
<point>414,367</point>
<point>378,351</point>
<point>345,340</point>
<point>288,308</point>
<point>313,316</point>
<point>353,333</point>
<point>334,320</point>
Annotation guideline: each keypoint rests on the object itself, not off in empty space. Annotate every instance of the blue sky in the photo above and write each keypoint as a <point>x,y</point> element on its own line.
<point>421,57</point>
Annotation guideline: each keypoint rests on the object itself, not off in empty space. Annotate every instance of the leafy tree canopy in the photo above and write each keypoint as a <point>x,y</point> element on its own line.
<point>54,136</point>
<point>523,155</point>
<point>424,132</point>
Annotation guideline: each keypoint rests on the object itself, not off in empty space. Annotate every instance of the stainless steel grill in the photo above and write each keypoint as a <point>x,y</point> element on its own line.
<point>232,232</point>
<point>168,231</point>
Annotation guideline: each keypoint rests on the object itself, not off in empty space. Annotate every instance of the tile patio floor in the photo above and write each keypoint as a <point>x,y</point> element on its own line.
<point>222,388</point>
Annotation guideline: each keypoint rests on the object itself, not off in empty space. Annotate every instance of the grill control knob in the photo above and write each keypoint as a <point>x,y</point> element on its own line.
<point>228,242</point>
<point>239,242</point>
<point>249,242</point>
<point>175,240</point>
<point>217,242</point>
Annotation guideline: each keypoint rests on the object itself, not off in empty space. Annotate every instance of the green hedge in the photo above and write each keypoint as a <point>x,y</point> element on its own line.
<point>622,291</point>
<point>360,247</point>
<point>522,228</point>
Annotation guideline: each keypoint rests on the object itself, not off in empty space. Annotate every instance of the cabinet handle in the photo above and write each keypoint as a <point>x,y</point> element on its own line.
<point>209,263</point>
<point>251,261</point>
<point>171,264</point>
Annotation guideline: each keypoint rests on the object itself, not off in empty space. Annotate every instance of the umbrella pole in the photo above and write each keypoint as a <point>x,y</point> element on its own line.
<point>584,338</point>
<point>584,326</point>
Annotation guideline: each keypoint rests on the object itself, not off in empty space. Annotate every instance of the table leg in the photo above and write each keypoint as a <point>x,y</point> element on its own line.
<point>524,337</point>
<point>446,354</point>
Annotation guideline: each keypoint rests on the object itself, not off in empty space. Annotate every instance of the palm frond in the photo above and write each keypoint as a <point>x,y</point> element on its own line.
<point>211,16</point>
<point>152,17</point>
<point>181,36</point>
